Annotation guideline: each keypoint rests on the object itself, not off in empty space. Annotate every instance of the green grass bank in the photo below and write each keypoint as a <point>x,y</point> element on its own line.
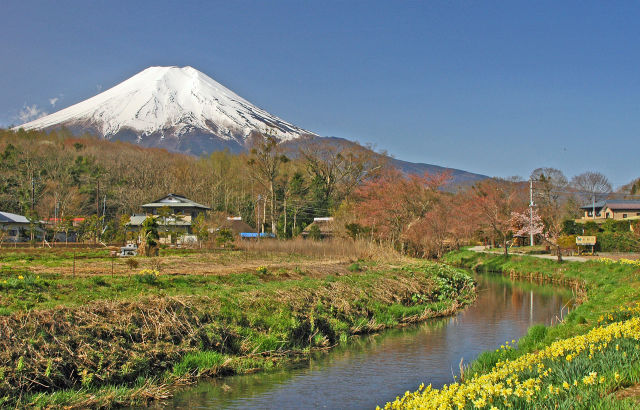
<point>589,360</point>
<point>135,339</point>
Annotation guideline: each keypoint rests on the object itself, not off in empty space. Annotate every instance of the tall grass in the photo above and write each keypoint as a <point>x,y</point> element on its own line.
<point>335,247</point>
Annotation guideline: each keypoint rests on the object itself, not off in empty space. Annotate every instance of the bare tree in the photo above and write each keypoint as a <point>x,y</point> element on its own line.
<point>339,167</point>
<point>550,185</point>
<point>592,186</point>
<point>266,157</point>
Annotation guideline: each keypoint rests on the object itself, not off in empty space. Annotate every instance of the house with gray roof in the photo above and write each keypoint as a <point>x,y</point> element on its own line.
<point>618,209</point>
<point>16,228</point>
<point>173,212</point>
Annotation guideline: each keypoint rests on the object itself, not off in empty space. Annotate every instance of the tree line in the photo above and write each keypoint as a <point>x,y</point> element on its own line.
<point>279,188</point>
<point>58,176</point>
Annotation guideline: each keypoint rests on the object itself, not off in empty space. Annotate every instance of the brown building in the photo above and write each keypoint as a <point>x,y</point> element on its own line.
<point>617,209</point>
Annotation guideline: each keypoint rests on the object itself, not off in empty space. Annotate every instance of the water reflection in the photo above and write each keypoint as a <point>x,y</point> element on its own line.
<point>372,370</point>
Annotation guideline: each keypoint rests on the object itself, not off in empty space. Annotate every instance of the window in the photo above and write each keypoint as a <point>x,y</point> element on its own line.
<point>624,215</point>
<point>13,232</point>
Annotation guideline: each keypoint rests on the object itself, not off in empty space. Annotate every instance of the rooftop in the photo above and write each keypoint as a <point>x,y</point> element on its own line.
<point>8,217</point>
<point>175,201</point>
<point>614,204</point>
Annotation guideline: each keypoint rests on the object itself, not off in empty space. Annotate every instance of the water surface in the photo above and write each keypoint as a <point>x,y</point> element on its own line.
<point>372,370</point>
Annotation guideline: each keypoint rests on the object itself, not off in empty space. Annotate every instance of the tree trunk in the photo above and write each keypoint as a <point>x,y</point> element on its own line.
<point>295,217</point>
<point>504,243</point>
<point>264,213</point>
<point>285,216</point>
<point>559,253</point>
<point>273,210</point>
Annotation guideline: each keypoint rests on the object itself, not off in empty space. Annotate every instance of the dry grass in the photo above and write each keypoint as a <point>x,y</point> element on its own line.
<point>631,392</point>
<point>213,262</point>
<point>328,248</point>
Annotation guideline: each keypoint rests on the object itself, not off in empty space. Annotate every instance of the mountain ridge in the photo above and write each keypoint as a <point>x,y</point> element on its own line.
<point>183,110</point>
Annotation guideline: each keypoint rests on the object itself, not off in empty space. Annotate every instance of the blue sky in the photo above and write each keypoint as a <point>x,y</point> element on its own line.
<point>495,87</point>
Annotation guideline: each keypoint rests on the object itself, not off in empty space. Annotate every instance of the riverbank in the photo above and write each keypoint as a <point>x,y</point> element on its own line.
<point>591,359</point>
<point>137,337</point>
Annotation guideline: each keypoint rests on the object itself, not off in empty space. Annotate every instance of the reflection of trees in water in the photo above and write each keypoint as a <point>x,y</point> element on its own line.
<point>427,350</point>
<point>517,297</point>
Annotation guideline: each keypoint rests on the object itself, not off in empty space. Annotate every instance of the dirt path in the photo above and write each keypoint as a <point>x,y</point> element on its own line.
<point>484,249</point>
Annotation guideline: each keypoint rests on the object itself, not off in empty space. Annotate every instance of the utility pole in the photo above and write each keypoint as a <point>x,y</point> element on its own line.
<point>531,211</point>
<point>98,198</point>
<point>33,194</point>
<point>593,208</point>
<point>33,205</point>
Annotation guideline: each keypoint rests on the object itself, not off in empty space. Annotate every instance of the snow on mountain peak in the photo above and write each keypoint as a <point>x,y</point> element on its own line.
<point>172,102</point>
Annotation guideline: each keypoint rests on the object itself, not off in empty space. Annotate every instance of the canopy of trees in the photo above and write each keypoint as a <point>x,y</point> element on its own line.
<point>281,189</point>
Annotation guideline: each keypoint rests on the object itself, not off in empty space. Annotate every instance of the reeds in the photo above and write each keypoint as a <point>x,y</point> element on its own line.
<point>343,248</point>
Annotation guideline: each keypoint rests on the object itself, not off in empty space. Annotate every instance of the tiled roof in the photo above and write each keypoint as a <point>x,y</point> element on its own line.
<point>614,204</point>
<point>8,217</point>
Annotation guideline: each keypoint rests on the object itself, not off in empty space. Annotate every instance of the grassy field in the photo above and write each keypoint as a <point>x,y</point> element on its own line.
<point>102,339</point>
<point>590,360</point>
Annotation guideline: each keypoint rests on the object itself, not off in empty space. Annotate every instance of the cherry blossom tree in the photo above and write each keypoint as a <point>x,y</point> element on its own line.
<point>523,224</point>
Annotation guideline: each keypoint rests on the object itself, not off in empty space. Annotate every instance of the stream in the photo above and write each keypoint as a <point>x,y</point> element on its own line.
<point>372,370</point>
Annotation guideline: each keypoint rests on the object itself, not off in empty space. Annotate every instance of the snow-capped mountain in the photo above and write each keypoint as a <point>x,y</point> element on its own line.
<point>178,108</point>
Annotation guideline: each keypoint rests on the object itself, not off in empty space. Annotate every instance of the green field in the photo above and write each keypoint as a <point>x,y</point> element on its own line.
<point>102,340</point>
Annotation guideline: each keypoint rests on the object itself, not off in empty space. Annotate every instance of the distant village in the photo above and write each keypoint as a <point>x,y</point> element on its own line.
<point>179,221</point>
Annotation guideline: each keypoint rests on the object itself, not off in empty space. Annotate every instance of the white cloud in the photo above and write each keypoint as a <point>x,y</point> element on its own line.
<point>53,101</point>
<point>30,113</point>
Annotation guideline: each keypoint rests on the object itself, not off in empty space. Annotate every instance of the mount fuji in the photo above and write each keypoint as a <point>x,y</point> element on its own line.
<point>183,110</point>
<point>177,108</point>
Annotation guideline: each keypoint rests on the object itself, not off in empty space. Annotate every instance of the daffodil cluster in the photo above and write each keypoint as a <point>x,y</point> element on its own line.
<point>568,369</point>
<point>622,261</point>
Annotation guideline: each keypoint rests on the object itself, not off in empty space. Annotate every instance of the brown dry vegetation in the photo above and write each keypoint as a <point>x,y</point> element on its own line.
<point>118,342</point>
<point>317,258</point>
<point>341,248</point>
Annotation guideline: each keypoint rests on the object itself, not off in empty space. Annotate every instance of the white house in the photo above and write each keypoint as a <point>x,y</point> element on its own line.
<point>16,227</point>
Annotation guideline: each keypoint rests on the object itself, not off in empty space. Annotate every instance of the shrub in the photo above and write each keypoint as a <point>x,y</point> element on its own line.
<point>355,230</point>
<point>224,237</point>
<point>570,227</point>
<point>354,267</point>
<point>567,242</point>
<point>99,281</point>
<point>591,228</point>
<point>611,225</point>
<point>618,242</point>
<point>314,232</point>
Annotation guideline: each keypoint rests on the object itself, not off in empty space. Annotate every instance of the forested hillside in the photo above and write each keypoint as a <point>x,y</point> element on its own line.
<point>48,174</point>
